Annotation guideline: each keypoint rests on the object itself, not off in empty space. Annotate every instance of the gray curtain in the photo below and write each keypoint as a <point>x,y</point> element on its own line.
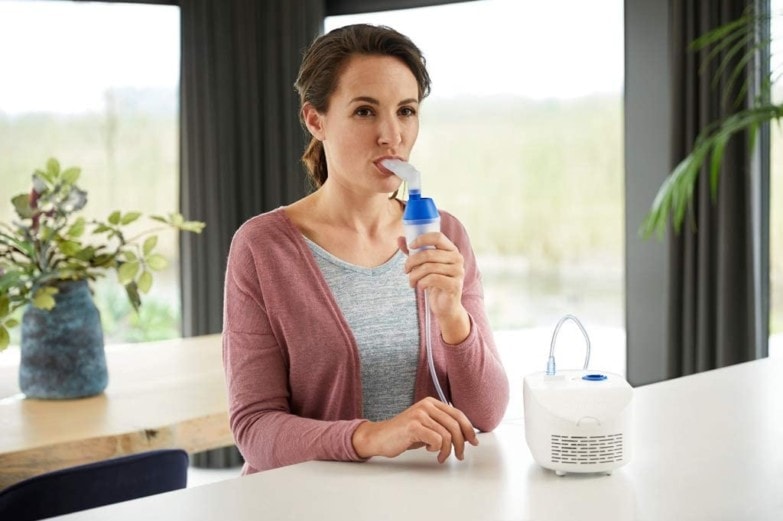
<point>240,135</point>
<point>240,139</point>
<point>718,303</point>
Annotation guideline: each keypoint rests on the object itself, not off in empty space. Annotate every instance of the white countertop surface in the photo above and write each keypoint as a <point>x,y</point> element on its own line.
<point>705,447</point>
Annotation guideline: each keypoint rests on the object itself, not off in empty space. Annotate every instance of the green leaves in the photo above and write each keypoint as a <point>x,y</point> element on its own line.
<point>77,228</point>
<point>43,298</point>
<point>6,322</point>
<point>10,280</point>
<point>141,265</point>
<point>149,244</point>
<point>5,337</point>
<point>117,218</point>
<point>5,305</point>
<point>133,295</point>
<point>70,248</point>
<point>71,175</point>
<point>127,272</point>
<point>50,242</point>
<point>733,45</point>
<point>177,221</point>
<point>192,226</point>
<point>22,206</point>
<point>676,193</point>
<point>145,282</point>
<point>52,168</point>
<point>156,262</point>
<point>129,217</point>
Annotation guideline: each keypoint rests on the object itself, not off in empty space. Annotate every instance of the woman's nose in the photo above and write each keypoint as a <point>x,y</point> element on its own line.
<point>389,132</point>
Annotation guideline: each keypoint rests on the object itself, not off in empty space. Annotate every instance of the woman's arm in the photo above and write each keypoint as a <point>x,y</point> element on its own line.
<point>477,382</point>
<point>266,432</point>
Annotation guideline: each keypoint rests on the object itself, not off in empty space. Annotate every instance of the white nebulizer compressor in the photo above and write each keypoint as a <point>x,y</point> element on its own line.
<point>577,421</point>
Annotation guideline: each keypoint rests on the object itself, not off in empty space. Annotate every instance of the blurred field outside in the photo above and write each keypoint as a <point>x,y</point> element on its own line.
<point>538,185</point>
<point>776,212</point>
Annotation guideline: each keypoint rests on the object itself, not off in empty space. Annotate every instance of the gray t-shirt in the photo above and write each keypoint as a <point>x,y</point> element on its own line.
<point>380,308</point>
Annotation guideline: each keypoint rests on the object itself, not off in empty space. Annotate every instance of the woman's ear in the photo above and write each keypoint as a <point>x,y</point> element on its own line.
<point>314,121</point>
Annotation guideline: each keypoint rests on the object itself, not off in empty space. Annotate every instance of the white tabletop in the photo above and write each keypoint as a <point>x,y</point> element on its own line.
<point>708,446</point>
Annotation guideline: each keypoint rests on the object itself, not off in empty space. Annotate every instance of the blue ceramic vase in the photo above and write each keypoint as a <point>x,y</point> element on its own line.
<point>62,355</point>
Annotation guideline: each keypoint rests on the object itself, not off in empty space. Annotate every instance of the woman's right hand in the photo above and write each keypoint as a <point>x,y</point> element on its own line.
<point>428,423</point>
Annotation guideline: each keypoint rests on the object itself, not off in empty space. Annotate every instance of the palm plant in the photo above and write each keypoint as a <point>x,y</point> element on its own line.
<point>735,46</point>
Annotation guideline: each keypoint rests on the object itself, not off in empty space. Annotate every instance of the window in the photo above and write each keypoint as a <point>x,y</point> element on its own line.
<point>81,85</point>
<point>776,191</point>
<point>521,139</point>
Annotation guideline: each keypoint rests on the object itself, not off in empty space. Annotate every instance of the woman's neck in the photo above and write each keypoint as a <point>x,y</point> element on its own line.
<point>359,230</point>
<point>365,215</point>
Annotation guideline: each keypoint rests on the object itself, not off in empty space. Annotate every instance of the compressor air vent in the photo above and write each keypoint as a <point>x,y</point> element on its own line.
<point>587,450</point>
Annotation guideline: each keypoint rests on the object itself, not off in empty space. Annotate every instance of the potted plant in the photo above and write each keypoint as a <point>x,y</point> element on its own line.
<point>736,44</point>
<point>48,257</point>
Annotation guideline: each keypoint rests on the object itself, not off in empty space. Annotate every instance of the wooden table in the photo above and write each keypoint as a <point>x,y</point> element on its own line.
<point>160,394</point>
<point>705,447</point>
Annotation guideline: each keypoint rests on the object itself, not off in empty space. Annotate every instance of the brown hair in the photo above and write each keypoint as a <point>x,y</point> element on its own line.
<point>323,62</point>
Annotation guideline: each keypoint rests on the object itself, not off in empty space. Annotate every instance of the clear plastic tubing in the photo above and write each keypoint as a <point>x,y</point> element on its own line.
<point>420,216</point>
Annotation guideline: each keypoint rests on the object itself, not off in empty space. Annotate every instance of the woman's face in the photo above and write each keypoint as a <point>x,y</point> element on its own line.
<point>373,114</point>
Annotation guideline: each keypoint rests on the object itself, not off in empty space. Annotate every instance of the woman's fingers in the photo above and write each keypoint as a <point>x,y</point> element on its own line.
<point>437,269</point>
<point>438,264</point>
<point>434,261</point>
<point>434,240</point>
<point>441,434</point>
<point>433,255</point>
<point>461,422</point>
<point>451,425</point>
<point>430,423</point>
<point>402,245</point>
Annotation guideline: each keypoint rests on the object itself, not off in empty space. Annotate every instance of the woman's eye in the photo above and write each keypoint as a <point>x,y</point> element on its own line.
<point>407,111</point>
<point>363,111</point>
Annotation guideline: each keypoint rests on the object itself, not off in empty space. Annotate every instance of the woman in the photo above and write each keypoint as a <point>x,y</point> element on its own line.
<point>323,339</point>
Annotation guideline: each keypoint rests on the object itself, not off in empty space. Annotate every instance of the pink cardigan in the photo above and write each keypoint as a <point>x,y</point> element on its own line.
<point>292,364</point>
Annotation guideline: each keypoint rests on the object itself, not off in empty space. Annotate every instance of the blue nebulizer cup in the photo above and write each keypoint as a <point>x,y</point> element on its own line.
<point>420,217</point>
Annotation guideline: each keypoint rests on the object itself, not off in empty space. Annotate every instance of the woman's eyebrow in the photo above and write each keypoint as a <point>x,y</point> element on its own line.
<point>365,99</point>
<point>373,101</point>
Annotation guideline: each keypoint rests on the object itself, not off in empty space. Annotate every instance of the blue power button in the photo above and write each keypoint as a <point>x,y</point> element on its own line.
<point>594,377</point>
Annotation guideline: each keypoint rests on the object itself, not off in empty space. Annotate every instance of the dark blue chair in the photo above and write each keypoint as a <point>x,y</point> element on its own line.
<point>95,484</point>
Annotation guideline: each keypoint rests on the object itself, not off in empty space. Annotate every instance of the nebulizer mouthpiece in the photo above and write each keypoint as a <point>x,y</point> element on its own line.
<point>407,172</point>
<point>420,216</point>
